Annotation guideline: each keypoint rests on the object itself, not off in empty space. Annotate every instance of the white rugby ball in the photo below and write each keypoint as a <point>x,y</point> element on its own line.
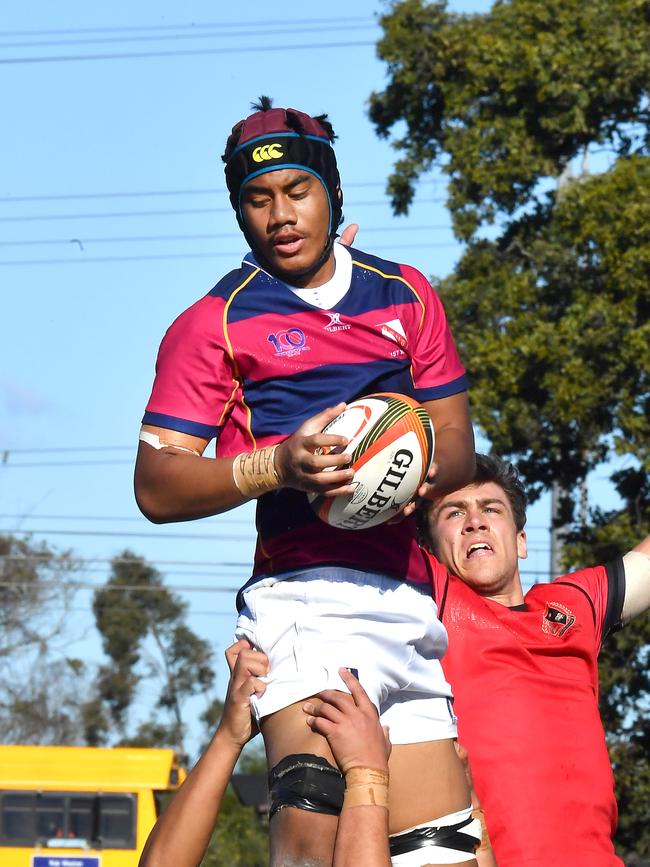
<point>391,443</point>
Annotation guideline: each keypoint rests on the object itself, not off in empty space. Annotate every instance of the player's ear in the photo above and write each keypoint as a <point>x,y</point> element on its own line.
<point>522,545</point>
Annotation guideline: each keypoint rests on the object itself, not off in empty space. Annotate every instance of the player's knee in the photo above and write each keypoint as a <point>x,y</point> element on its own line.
<point>308,782</point>
<point>451,839</point>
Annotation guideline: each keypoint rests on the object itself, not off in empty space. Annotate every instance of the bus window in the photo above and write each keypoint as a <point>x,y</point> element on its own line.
<point>17,818</point>
<point>106,820</point>
<point>117,821</point>
<point>81,817</point>
<point>50,817</point>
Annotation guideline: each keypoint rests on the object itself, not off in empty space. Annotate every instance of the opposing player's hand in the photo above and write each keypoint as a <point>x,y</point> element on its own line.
<point>246,667</point>
<point>349,234</point>
<point>300,464</point>
<point>351,725</point>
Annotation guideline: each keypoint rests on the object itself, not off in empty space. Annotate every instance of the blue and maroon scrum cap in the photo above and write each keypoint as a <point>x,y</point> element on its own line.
<point>282,138</point>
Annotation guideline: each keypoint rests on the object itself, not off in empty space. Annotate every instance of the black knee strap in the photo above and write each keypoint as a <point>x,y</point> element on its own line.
<point>450,836</point>
<point>307,782</point>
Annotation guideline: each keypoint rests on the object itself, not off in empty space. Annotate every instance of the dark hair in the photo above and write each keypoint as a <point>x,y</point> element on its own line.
<point>489,468</point>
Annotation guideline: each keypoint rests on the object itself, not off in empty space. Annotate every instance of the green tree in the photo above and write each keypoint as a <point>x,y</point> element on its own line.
<point>146,637</point>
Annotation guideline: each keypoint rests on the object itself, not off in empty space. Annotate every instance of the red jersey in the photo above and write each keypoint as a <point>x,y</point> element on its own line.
<point>525,684</point>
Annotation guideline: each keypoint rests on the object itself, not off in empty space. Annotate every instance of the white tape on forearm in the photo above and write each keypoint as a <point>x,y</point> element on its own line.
<point>153,440</point>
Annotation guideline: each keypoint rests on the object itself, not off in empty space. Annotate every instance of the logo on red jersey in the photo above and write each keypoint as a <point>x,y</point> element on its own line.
<point>557,619</point>
<point>290,342</point>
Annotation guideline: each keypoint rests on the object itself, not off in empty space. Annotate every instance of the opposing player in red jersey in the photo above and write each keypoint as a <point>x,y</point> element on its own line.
<point>523,668</point>
<point>305,324</point>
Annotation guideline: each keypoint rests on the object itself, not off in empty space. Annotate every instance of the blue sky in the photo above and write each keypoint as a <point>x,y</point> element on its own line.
<point>114,218</point>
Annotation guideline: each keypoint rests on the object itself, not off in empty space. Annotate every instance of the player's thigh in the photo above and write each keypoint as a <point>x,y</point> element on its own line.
<point>286,732</point>
<point>298,836</point>
<point>427,781</point>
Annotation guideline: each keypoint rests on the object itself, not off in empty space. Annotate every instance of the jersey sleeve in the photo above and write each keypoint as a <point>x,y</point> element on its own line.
<point>436,368</point>
<point>604,586</point>
<point>194,383</point>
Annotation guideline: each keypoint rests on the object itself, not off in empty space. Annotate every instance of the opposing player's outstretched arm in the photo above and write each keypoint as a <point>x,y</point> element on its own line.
<point>176,483</point>
<point>637,581</point>
<point>361,748</point>
<point>181,835</point>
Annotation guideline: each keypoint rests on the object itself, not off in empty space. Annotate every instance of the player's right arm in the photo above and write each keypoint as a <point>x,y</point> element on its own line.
<point>175,482</point>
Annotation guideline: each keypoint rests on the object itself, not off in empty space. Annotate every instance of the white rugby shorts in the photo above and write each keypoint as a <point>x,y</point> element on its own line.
<point>386,631</point>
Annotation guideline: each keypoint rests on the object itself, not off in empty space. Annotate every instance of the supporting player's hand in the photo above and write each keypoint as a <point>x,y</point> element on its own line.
<point>349,234</point>
<point>351,725</point>
<point>246,666</point>
<point>300,465</point>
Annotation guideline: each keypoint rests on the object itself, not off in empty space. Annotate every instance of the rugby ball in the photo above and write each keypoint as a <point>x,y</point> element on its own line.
<point>391,441</point>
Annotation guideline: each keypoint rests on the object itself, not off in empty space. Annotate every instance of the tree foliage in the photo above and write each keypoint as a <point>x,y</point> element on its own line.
<point>553,319</point>
<point>506,99</point>
<point>41,688</point>
<point>33,595</point>
<point>146,637</point>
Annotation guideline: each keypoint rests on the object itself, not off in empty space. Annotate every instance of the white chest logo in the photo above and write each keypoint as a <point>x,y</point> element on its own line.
<point>335,323</point>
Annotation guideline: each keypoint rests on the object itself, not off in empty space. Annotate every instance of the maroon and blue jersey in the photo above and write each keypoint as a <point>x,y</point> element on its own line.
<point>249,362</point>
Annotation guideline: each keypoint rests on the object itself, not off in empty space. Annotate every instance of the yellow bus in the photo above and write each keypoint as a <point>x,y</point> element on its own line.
<point>80,806</point>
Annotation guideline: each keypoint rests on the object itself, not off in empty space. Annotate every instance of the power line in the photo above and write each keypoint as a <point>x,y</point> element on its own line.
<point>175,37</point>
<point>212,537</point>
<point>200,536</point>
<point>30,218</point>
<point>133,518</point>
<point>193,25</point>
<point>195,612</point>
<point>267,49</point>
<point>208,255</point>
<point>209,236</point>
<point>146,193</point>
<point>6,451</point>
<point>147,588</point>
<point>117,462</point>
<point>47,558</point>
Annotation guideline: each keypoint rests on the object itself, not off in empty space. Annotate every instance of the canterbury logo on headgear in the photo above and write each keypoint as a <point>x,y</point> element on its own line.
<point>267,152</point>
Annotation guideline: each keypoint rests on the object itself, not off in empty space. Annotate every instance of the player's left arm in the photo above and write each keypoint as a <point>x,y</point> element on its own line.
<point>637,581</point>
<point>454,456</point>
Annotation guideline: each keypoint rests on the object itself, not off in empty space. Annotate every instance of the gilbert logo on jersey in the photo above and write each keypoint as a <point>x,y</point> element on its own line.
<point>335,323</point>
<point>557,619</point>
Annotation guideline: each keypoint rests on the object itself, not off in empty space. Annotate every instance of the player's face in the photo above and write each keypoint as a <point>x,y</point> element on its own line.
<point>287,215</point>
<point>475,537</point>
